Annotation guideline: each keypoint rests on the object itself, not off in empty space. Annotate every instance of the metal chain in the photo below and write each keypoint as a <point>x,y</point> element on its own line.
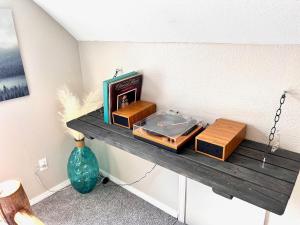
<point>274,128</point>
<point>276,119</point>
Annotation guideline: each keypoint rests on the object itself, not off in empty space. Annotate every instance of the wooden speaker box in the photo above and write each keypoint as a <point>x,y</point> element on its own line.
<point>221,138</point>
<point>134,112</point>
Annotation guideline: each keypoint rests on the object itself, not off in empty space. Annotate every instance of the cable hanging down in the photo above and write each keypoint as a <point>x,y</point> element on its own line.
<point>134,182</point>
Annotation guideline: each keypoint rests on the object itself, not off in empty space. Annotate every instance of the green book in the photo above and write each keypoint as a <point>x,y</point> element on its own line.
<point>106,93</point>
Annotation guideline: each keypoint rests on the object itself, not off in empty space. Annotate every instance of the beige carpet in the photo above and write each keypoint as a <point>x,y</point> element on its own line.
<point>104,205</point>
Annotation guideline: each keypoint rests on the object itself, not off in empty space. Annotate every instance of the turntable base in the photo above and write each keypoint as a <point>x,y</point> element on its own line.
<point>165,142</point>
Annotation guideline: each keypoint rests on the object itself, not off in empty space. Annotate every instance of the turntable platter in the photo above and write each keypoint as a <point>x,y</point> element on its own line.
<point>167,129</point>
<point>169,125</point>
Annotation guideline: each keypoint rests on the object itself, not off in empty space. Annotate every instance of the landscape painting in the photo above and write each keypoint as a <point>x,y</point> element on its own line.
<point>13,82</point>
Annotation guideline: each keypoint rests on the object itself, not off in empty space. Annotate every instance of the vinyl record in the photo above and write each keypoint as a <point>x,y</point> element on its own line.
<point>169,124</point>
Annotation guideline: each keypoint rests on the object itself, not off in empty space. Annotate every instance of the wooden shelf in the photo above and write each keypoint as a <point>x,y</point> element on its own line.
<point>241,176</point>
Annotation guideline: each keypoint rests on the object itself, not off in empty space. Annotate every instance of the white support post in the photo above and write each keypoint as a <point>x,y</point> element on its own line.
<point>182,198</point>
<point>267,216</point>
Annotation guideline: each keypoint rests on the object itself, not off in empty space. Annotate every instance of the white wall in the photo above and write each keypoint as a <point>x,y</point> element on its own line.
<point>129,168</point>
<point>213,21</point>
<point>240,82</point>
<point>30,127</point>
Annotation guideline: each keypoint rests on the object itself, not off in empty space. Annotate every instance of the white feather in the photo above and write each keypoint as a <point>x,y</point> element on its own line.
<point>91,102</point>
<point>73,109</point>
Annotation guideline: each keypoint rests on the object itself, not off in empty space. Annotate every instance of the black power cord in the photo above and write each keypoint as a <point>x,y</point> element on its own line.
<point>134,182</point>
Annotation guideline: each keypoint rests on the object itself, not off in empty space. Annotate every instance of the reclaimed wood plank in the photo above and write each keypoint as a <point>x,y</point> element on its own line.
<point>246,143</point>
<point>241,172</point>
<point>269,169</point>
<point>255,194</point>
<point>270,159</point>
<point>284,155</point>
<point>280,152</point>
<point>97,114</point>
<point>241,177</point>
<point>229,168</point>
<point>225,195</point>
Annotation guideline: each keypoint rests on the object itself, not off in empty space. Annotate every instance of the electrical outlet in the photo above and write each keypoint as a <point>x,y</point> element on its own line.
<point>43,165</point>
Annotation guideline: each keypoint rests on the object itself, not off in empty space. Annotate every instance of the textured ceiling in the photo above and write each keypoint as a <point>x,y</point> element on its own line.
<point>212,21</point>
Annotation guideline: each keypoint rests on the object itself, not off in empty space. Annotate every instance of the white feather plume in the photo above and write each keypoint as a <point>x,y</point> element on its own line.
<point>72,108</point>
<point>91,102</point>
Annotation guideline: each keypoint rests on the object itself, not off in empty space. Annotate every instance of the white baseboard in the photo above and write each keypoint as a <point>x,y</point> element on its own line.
<point>167,209</point>
<point>52,191</point>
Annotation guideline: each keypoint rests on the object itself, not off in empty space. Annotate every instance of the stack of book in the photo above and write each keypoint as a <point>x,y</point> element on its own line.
<point>120,91</point>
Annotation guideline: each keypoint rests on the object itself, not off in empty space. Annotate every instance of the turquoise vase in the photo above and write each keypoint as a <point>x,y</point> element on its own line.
<point>83,168</point>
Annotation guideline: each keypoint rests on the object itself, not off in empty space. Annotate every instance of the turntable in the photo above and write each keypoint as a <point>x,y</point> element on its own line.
<point>169,130</point>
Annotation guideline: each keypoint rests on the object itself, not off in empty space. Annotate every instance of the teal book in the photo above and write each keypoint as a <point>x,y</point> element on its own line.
<point>106,84</point>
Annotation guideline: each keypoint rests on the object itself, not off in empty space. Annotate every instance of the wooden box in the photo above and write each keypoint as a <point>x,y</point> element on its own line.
<point>220,139</point>
<point>134,112</point>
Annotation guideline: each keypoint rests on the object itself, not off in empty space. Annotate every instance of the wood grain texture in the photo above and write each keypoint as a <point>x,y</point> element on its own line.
<point>222,193</point>
<point>270,159</point>
<point>280,152</point>
<point>175,145</point>
<point>269,169</point>
<point>134,112</point>
<point>241,176</point>
<point>13,199</point>
<point>226,134</point>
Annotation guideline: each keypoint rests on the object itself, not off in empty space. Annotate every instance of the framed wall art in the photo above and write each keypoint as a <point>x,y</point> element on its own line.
<point>13,82</point>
